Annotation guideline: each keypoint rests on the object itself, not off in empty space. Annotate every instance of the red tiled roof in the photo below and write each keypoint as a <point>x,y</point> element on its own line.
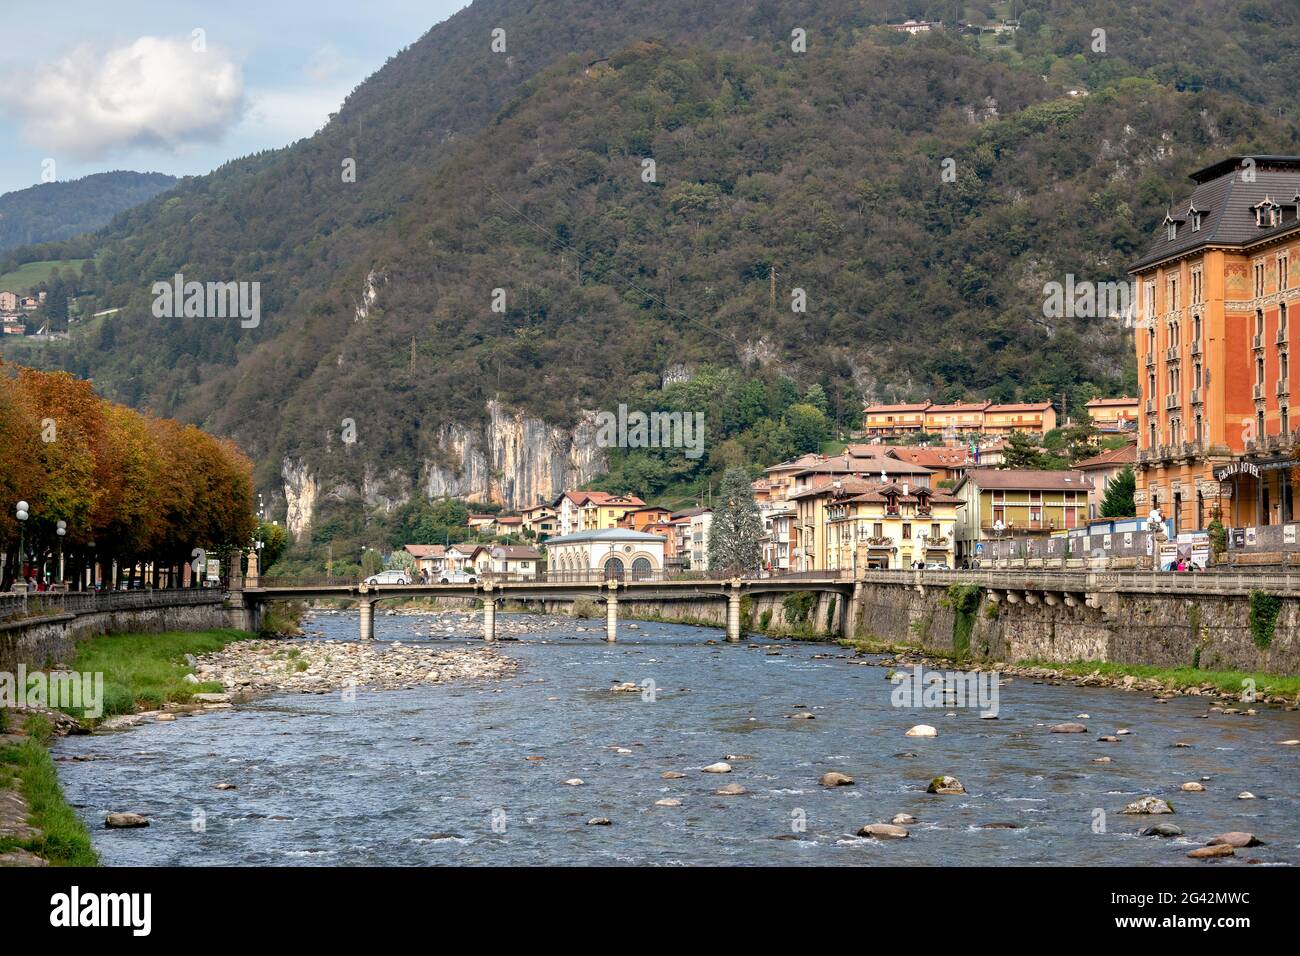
<point>914,407</point>
<point>1124,455</point>
<point>1026,479</point>
<point>1111,401</point>
<point>424,550</point>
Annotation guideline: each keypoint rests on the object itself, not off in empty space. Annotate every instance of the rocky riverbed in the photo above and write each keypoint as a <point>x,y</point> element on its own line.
<point>254,668</point>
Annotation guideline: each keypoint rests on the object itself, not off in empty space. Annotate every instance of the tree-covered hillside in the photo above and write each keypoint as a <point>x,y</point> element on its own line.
<point>61,210</point>
<point>525,171</point>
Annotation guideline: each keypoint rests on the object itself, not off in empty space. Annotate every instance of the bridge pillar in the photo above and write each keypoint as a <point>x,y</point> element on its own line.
<point>367,621</point>
<point>611,612</point>
<point>489,619</point>
<point>733,612</point>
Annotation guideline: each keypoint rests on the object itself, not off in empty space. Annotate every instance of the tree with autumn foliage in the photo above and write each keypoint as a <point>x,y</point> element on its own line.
<point>135,492</point>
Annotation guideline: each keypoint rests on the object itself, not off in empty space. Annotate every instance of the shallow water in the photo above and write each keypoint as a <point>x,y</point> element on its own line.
<point>440,774</point>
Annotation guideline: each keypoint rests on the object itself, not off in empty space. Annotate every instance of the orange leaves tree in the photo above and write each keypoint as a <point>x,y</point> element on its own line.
<point>133,490</point>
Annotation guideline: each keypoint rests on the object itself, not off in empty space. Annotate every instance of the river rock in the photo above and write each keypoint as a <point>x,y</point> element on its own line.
<point>1069,728</point>
<point>1236,838</point>
<point>1193,787</point>
<point>836,779</point>
<point>1101,760</point>
<point>226,786</point>
<point>672,775</point>
<point>945,784</point>
<point>668,802</point>
<point>731,790</point>
<point>883,831</point>
<point>1163,830</point>
<point>573,782</point>
<point>1289,743</point>
<point>1245,795</point>
<point>922,730</point>
<point>720,767</point>
<point>1149,805</point>
<point>599,822</point>
<point>902,819</point>
<point>124,821</point>
<point>190,679</point>
<point>1209,852</point>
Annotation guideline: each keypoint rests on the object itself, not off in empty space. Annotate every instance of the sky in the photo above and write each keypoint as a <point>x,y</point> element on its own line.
<point>182,86</point>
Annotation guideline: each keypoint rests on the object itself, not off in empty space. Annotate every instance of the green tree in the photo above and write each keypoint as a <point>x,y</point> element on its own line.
<point>1021,451</point>
<point>274,542</point>
<point>734,536</point>
<point>1118,502</point>
<point>808,427</point>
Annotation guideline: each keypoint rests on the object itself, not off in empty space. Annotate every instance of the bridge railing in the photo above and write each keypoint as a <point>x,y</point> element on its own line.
<point>1186,582</point>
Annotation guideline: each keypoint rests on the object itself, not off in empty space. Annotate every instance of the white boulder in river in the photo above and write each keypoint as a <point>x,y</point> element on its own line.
<point>720,767</point>
<point>922,730</point>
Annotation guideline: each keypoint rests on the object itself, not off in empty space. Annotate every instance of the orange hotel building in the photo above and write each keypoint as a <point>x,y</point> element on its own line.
<point>1216,310</point>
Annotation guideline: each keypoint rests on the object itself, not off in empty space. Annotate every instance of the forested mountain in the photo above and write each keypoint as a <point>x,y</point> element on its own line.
<point>524,171</point>
<point>61,210</point>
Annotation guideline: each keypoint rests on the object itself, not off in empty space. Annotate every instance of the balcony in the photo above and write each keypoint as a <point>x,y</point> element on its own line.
<point>1196,347</point>
<point>1151,359</point>
<point>1258,392</point>
<point>1151,406</point>
<point>1281,337</point>
<point>1196,396</point>
<point>1171,400</point>
<point>1259,340</point>
<point>1282,387</point>
<point>1171,354</point>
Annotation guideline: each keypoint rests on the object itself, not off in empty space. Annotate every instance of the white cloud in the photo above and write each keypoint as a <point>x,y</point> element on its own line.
<point>157,92</point>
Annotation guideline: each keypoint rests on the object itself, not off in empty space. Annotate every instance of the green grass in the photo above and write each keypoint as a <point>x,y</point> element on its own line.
<point>1180,677</point>
<point>148,670</point>
<point>28,767</point>
<point>31,274</point>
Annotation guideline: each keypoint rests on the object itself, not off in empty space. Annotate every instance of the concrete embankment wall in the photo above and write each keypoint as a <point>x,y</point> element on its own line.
<point>1209,632</point>
<point>52,640</point>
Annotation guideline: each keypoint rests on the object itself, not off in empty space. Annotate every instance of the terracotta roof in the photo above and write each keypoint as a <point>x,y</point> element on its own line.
<point>914,407</point>
<point>961,407</point>
<point>874,465</point>
<point>1025,479</point>
<point>1124,455</point>
<point>1022,407</point>
<point>510,519</point>
<point>795,464</point>
<point>515,553</point>
<point>424,550</point>
<point>1101,402</point>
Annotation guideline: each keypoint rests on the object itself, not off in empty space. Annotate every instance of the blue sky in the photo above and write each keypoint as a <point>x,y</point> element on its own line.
<point>130,84</point>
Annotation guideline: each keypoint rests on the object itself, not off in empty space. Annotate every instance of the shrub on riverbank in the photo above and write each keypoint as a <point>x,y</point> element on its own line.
<point>584,607</point>
<point>1229,682</point>
<point>282,619</point>
<point>28,768</point>
<point>148,670</point>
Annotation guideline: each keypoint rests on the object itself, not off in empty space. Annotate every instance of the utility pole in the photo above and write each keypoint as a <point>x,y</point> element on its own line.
<point>771,278</point>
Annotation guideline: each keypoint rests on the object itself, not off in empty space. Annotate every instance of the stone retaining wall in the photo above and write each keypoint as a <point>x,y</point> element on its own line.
<point>52,640</point>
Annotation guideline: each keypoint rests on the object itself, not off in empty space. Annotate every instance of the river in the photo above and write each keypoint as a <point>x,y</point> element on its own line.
<point>442,775</point>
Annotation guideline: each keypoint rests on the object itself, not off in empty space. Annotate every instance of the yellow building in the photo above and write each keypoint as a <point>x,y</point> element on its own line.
<point>862,524</point>
<point>895,419</point>
<point>1034,418</point>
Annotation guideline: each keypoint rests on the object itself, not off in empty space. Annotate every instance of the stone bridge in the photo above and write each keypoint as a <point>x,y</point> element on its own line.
<point>493,589</point>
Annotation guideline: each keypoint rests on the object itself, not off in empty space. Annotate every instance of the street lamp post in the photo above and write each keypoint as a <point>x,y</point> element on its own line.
<point>21,513</point>
<point>61,529</point>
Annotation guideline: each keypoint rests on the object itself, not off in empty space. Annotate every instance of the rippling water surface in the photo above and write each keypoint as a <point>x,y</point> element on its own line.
<point>441,774</point>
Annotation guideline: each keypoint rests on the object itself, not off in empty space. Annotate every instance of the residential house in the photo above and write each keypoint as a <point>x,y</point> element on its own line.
<point>463,557</point>
<point>8,301</point>
<point>894,420</point>
<point>616,552</point>
<point>515,561</point>
<point>1034,418</point>
<point>641,518</point>
<point>541,520</point>
<point>482,524</point>
<point>428,558</point>
<point>1015,502</point>
<point>509,524</point>
<point>1114,414</point>
<point>956,419</point>
<point>1102,469</point>
<point>592,510</point>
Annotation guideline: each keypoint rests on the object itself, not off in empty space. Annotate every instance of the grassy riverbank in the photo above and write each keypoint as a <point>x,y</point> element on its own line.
<point>147,671</point>
<point>1179,678</point>
<point>28,768</point>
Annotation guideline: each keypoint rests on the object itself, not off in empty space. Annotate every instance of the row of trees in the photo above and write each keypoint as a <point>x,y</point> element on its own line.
<point>132,490</point>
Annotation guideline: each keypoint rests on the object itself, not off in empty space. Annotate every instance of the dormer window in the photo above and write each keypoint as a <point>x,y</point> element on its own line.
<point>1196,220</point>
<point>1267,213</point>
<point>1171,230</point>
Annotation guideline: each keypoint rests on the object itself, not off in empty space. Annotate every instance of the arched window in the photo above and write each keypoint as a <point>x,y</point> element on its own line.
<point>614,569</point>
<point>640,569</point>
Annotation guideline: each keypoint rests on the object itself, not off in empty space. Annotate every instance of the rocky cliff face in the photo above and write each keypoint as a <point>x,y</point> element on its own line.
<point>513,460</point>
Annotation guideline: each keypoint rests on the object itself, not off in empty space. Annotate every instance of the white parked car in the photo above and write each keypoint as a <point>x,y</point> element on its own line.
<point>389,577</point>
<point>458,577</point>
